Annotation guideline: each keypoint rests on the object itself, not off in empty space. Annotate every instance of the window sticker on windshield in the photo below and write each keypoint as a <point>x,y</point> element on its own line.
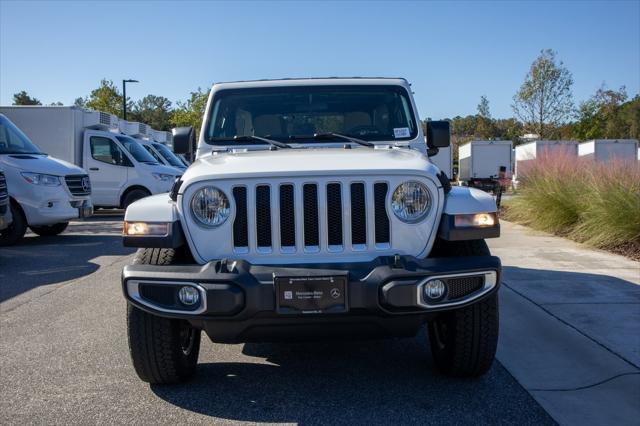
<point>401,132</point>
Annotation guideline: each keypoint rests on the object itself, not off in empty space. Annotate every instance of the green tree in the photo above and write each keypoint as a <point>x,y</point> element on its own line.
<point>484,127</point>
<point>607,115</point>
<point>107,98</point>
<point>80,102</point>
<point>154,111</point>
<point>22,98</point>
<point>544,101</point>
<point>190,113</point>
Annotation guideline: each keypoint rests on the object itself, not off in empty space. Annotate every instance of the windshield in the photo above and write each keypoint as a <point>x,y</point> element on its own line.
<point>371,113</point>
<point>13,141</point>
<point>168,155</point>
<point>136,149</point>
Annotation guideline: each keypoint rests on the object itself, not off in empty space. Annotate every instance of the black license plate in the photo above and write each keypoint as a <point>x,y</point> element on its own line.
<point>311,295</point>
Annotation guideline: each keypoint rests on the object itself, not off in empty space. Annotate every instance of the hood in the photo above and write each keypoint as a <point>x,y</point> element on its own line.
<point>160,168</point>
<point>311,161</point>
<point>40,164</point>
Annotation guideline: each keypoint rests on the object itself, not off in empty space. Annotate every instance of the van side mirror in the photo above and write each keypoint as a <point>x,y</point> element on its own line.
<point>438,134</point>
<point>184,140</point>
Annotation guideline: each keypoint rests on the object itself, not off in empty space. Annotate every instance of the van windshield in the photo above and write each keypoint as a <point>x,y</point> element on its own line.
<point>168,155</point>
<point>370,113</point>
<point>136,149</point>
<point>13,141</point>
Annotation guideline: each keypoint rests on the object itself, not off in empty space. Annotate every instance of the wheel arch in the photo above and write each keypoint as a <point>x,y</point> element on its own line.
<point>132,188</point>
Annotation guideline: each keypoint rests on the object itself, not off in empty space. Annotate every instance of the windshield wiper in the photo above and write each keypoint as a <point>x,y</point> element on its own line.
<point>258,138</point>
<point>332,135</point>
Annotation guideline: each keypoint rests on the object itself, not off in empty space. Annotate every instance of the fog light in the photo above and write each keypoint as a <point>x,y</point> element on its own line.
<point>189,295</point>
<point>146,229</point>
<point>434,289</point>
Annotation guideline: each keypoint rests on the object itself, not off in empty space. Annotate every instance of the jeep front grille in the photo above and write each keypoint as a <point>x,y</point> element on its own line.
<point>4,193</point>
<point>76,185</point>
<point>311,217</point>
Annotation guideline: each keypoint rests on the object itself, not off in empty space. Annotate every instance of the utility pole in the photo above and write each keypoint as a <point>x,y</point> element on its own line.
<point>124,97</point>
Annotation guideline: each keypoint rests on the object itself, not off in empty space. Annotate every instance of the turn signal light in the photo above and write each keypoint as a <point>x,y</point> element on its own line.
<point>478,220</point>
<point>145,229</point>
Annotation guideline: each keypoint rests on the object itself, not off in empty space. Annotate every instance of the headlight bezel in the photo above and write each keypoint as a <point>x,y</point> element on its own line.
<point>224,199</point>
<point>35,178</point>
<point>163,177</point>
<point>425,211</point>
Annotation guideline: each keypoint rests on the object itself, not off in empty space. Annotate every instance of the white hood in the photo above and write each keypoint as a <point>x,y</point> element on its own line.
<point>40,164</point>
<point>309,162</point>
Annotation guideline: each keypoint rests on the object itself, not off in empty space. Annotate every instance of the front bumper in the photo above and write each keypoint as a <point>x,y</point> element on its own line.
<point>238,299</point>
<point>5,216</point>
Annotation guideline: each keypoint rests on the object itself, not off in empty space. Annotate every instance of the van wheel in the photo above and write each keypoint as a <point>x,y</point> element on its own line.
<point>133,196</point>
<point>16,230</point>
<point>50,230</point>
<point>464,341</point>
<point>163,350</point>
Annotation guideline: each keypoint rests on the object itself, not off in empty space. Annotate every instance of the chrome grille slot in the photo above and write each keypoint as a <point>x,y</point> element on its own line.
<point>310,217</point>
<point>78,185</point>
<point>263,216</point>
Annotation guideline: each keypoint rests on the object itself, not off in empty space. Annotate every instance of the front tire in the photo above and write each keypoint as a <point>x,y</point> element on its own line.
<point>133,196</point>
<point>162,350</point>
<point>464,341</point>
<point>50,230</point>
<point>16,230</point>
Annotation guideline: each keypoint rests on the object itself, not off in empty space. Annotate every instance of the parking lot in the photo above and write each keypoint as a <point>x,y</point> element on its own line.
<point>64,359</point>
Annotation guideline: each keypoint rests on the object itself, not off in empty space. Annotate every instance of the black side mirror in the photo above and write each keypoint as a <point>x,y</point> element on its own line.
<point>438,134</point>
<point>184,140</point>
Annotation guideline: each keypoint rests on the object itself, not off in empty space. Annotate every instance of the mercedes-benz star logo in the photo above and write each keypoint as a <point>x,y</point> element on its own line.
<point>335,293</point>
<point>86,184</point>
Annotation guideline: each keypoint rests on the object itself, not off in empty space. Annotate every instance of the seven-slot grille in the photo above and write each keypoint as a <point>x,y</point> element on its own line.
<point>78,184</point>
<point>4,193</point>
<point>312,217</point>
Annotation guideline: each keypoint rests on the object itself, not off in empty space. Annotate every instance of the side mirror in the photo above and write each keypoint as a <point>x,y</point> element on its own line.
<point>438,134</point>
<point>184,140</point>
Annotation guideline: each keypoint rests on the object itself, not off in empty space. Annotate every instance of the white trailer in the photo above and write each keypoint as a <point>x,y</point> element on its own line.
<point>121,170</point>
<point>480,162</point>
<point>443,160</point>
<point>532,151</point>
<point>603,150</point>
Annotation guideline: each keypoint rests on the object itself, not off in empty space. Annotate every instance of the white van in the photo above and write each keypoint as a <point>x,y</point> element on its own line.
<point>121,170</point>
<point>163,155</point>
<point>44,193</point>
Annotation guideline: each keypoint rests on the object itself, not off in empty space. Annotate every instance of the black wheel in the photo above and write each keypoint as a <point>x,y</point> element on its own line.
<point>50,230</point>
<point>133,196</point>
<point>163,350</point>
<point>464,341</point>
<point>16,230</point>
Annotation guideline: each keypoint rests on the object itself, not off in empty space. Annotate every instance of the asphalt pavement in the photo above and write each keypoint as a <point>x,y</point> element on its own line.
<point>64,359</point>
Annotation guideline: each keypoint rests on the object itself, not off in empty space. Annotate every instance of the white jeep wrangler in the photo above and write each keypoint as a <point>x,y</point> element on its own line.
<point>312,211</point>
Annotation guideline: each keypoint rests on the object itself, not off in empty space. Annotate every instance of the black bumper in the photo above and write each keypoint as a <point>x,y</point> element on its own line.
<point>384,296</point>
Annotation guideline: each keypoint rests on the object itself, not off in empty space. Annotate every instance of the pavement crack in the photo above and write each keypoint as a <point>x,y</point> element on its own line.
<point>586,386</point>
<point>568,324</point>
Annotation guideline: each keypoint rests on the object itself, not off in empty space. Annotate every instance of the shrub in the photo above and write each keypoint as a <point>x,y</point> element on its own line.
<point>594,203</point>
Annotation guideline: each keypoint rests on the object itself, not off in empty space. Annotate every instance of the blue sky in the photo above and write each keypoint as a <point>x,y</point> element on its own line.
<point>452,53</point>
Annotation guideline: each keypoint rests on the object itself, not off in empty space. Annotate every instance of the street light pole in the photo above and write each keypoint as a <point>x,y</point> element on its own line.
<point>124,97</point>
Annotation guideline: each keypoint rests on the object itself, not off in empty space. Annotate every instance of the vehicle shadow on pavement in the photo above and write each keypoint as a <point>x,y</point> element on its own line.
<point>39,261</point>
<point>369,382</point>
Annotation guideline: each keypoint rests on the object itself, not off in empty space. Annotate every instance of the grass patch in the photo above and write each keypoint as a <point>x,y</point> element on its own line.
<point>593,203</point>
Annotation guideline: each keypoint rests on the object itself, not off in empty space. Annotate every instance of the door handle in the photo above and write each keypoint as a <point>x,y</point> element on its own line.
<point>93,168</point>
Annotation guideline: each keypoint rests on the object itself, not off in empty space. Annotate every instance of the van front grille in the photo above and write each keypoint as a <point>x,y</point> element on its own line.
<point>78,185</point>
<point>4,193</point>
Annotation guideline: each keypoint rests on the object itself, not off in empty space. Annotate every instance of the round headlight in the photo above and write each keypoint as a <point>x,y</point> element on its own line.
<point>410,201</point>
<point>210,206</point>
